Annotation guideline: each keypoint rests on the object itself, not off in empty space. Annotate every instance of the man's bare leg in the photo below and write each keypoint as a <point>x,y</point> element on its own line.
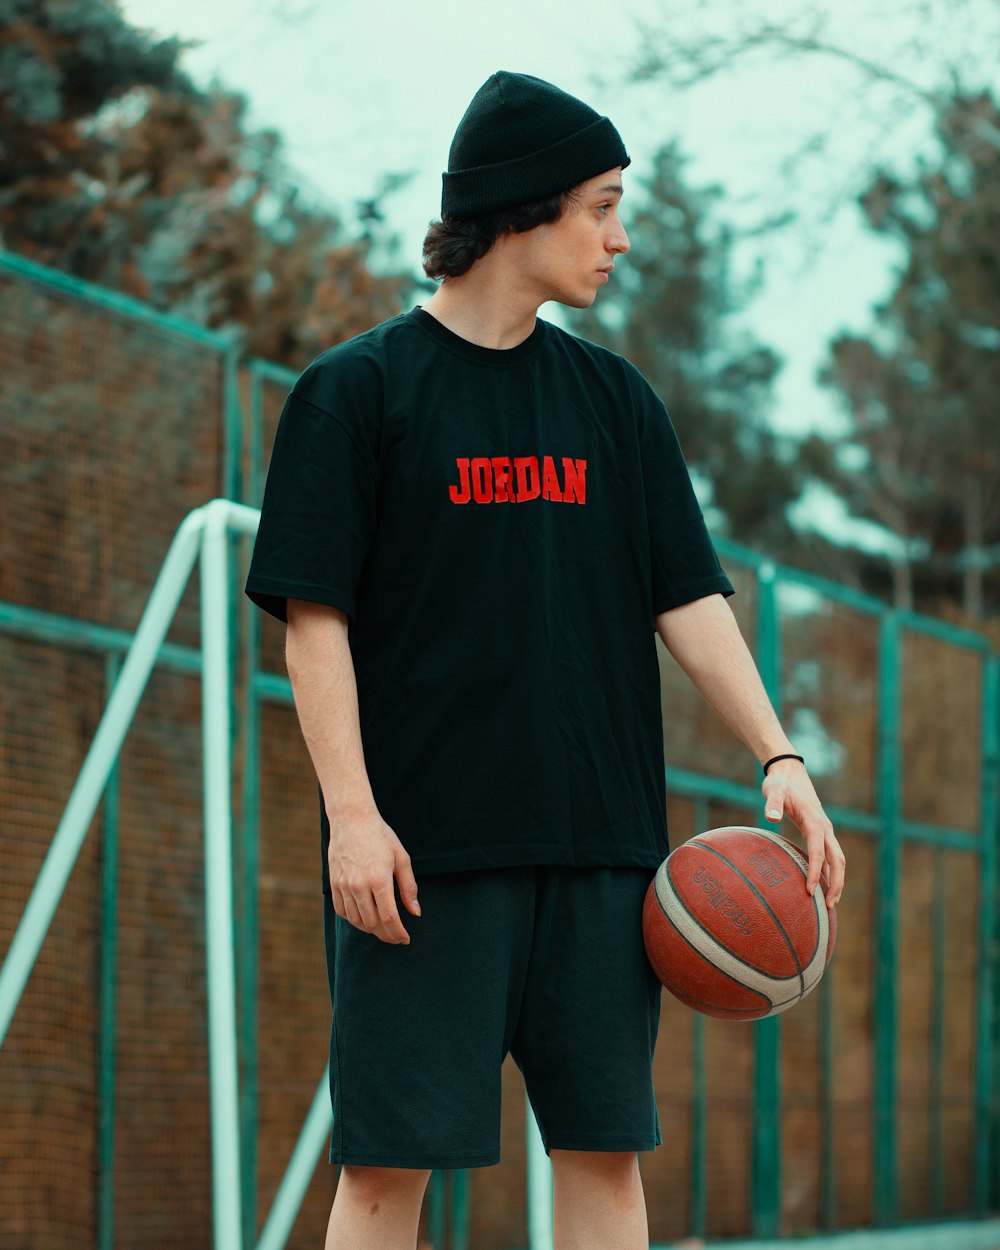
<point>599,1203</point>
<point>376,1209</point>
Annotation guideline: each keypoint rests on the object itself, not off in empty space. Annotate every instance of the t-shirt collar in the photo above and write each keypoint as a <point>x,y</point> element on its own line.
<point>498,357</point>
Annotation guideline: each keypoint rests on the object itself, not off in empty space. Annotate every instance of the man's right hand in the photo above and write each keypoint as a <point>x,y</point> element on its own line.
<point>365,859</point>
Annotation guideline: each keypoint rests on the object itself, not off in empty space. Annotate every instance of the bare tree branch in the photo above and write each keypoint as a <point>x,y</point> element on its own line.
<point>685,59</point>
<point>877,72</point>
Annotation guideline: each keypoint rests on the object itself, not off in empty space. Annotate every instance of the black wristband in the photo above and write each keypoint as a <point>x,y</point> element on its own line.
<point>774,759</point>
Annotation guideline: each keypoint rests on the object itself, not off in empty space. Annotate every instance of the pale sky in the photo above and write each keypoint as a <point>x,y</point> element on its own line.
<point>359,89</point>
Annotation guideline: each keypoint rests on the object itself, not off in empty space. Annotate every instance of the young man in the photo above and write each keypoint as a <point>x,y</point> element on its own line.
<point>473,523</point>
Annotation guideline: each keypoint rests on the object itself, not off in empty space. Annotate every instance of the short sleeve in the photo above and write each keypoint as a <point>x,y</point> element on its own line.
<point>318,514</point>
<point>684,563</point>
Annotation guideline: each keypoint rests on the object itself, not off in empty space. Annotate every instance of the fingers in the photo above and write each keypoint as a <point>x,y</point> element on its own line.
<point>372,912</point>
<point>827,864</point>
<point>365,861</point>
<point>367,908</point>
<point>774,799</point>
<point>407,882</point>
<point>837,869</point>
<point>372,907</point>
<point>344,905</point>
<point>390,927</point>
<point>817,858</point>
<point>790,797</point>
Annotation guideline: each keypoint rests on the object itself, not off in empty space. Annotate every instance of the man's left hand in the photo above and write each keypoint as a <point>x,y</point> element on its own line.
<point>788,791</point>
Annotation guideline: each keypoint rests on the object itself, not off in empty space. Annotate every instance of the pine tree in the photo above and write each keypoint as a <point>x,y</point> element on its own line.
<point>923,387</point>
<point>116,168</point>
<point>668,310</point>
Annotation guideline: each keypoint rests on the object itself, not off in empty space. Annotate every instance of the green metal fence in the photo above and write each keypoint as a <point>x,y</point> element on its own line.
<point>876,1104</point>
<point>893,833</point>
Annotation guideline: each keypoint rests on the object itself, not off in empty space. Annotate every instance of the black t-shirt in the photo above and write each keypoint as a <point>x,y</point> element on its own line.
<point>501,528</point>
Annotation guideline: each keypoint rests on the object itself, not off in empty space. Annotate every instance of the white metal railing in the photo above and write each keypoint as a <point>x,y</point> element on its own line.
<point>540,1230</point>
<point>204,532</point>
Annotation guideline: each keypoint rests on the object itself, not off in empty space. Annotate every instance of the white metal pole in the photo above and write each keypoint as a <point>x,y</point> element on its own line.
<point>301,1166</point>
<point>234,516</point>
<point>540,1234</point>
<point>223,1059</point>
<point>86,794</point>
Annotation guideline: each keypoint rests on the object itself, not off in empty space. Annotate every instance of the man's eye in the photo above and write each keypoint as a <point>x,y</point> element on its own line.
<point>603,208</point>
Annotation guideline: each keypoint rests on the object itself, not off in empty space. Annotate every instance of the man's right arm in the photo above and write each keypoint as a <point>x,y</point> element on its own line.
<point>365,855</point>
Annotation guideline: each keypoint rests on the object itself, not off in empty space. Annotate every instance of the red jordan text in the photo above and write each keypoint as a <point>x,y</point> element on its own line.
<point>519,479</point>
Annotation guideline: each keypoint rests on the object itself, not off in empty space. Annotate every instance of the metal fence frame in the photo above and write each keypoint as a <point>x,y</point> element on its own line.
<point>204,534</point>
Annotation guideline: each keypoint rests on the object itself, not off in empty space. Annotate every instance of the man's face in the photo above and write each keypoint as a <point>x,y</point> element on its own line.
<point>571,259</point>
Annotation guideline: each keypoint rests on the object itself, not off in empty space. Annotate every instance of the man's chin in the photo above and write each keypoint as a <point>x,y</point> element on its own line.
<point>577,301</point>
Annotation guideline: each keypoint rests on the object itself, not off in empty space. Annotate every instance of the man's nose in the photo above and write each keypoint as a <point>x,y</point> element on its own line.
<point>618,242</point>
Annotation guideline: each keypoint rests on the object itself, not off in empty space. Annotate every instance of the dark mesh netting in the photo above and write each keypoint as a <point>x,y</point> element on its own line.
<point>110,433</point>
<point>51,703</point>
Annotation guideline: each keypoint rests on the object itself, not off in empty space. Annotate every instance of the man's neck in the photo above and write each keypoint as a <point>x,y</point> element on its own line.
<point>485,306</point>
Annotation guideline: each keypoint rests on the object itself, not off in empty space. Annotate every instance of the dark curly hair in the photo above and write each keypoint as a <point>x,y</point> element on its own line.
<point>452,246</point>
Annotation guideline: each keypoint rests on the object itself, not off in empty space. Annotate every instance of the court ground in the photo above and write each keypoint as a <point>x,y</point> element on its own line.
<point>965,1235</point>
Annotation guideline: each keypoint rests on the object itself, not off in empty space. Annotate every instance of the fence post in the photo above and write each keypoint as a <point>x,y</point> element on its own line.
<point>987,1156</point>
<point>699,1088</point>
<point>107,1029</point>
<point>766,1166</point>
<point>223,1058</point>
<point>248,968</point>
<point>885,1199</point>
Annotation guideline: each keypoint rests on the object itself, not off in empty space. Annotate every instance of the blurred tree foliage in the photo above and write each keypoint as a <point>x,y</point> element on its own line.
<point>669,310</point>
<point>924,456</point>
<point>116,168</point>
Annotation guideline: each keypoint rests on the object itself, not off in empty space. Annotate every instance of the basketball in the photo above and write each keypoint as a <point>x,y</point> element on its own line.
<point>730,928</point>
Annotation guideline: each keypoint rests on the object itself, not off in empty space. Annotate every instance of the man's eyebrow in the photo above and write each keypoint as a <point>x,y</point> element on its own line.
<point>613,188</point>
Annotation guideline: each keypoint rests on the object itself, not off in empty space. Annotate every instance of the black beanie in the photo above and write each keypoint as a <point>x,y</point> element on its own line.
<point>522,139</point>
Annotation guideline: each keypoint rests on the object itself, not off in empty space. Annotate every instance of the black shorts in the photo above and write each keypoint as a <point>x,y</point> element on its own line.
<point>545,963</point>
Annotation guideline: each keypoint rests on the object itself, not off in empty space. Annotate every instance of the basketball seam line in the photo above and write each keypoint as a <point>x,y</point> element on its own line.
<point>721,971</point>
<point>819,904</point>
<point>770,910</point>
<point>678,989</point>
<point>796,976</point>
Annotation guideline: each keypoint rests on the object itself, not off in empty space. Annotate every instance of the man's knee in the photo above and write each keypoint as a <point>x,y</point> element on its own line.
<point>598,1201</point>
<point>619,1169</point>
<point>619,1161</point>
<point>376,1207</point>
<point>383,1180</point>
<point>376,1185</point>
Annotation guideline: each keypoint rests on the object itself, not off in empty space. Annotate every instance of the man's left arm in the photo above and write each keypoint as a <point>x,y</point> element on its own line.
<point>705,640</point>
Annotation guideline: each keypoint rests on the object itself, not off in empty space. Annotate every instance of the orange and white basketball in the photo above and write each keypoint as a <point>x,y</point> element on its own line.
<point>730,928</point>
